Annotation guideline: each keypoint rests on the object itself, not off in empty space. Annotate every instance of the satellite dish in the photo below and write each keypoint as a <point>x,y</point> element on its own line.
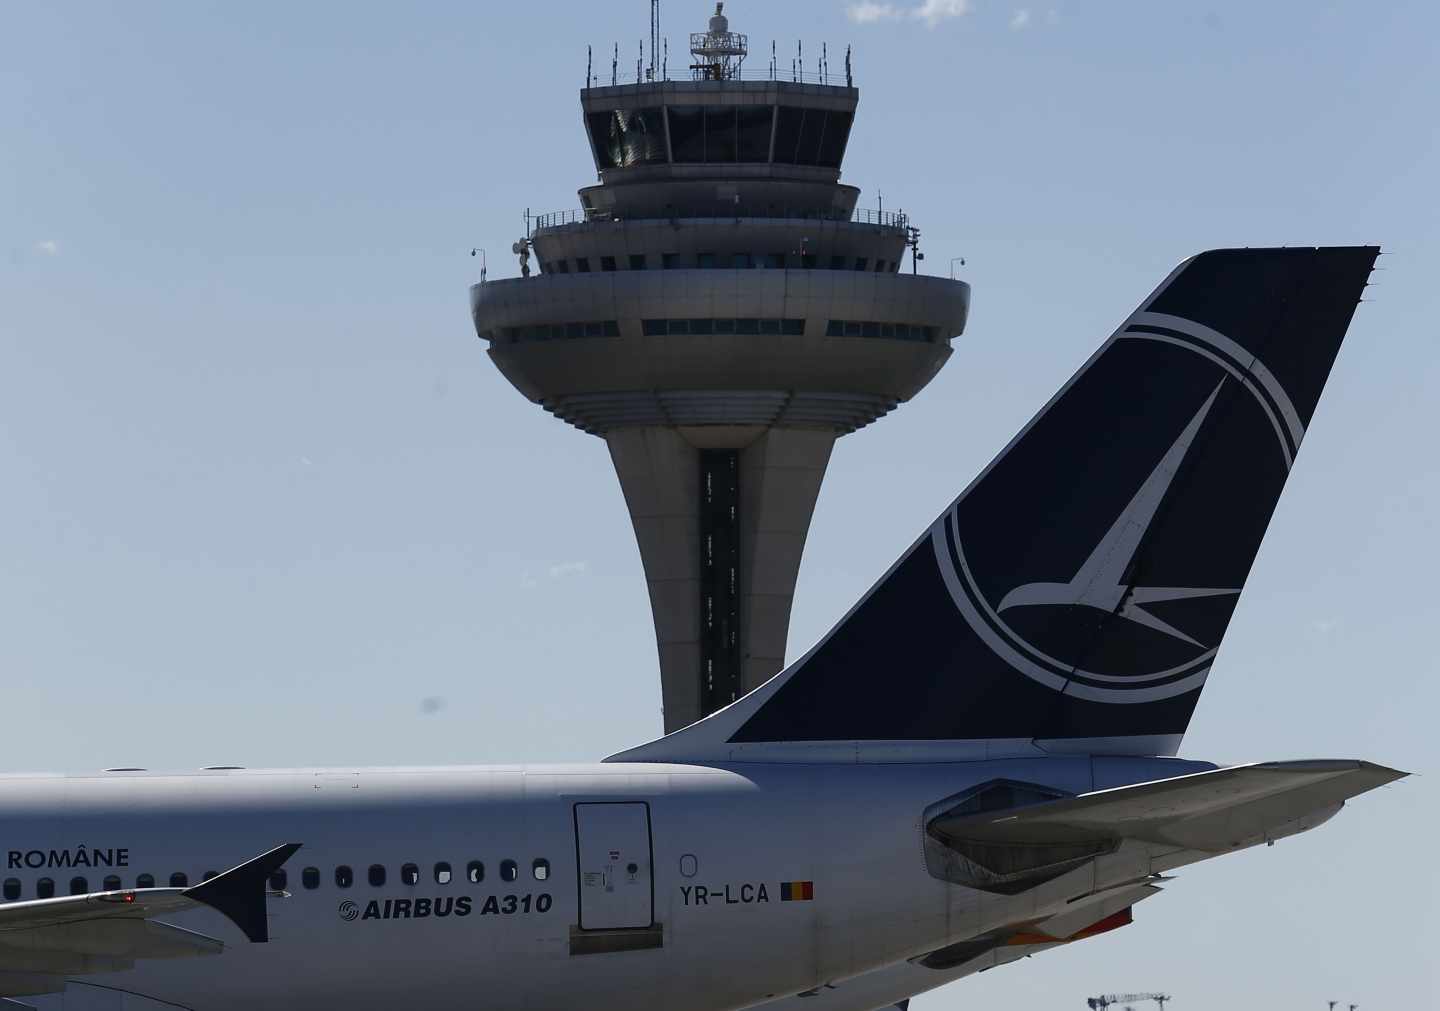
<point>518,247</point>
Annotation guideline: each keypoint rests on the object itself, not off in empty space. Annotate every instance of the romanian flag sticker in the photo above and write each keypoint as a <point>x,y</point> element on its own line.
<point>797,891</point>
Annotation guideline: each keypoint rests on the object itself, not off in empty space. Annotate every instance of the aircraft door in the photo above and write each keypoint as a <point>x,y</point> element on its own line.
<point>617,888</point>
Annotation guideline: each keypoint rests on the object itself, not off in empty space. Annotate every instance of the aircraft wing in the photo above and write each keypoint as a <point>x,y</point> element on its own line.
<point>45,940</point>
<point>1210,811</point>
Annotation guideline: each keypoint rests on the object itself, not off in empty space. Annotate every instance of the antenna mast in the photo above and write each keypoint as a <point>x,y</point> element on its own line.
<point>654,35</point>
<point>719,53</point>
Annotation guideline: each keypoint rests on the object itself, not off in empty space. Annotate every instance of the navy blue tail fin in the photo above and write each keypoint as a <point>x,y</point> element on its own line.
<point>1076,593</point>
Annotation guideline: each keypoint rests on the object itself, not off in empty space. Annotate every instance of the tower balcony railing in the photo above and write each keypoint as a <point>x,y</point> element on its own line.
<point>860,216</point>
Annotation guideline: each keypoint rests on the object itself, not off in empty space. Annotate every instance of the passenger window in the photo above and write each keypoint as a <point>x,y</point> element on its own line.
<point>475,872</point>
<point>509,870</point>
<point>410,874</point>
<point>442,874</point>
<point>279,880</point>
<point>607,263</point>
<point>861,263</point>
<point>145,881</point>
<point>637,261</point>
<point>879,266</point>
<point>310,878</point>
<point>179,879</point>
<point>79,886</point>
<point>209,874</point>
<point>377,876</point>
<point>670,261</point>
<point>741,261</point>
<point>541,869</point>
<point>705,261</point>
<point>45,888</point>
<point>12,889</point>
<point>112,883</point>
<point>344,877</point>
<point>775,260</point>
<point>807,261</point>
<point>582,264</point>
<point>837,263</point>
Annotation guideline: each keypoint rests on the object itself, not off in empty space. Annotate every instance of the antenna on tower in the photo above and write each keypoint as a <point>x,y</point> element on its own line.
<point>654,35</point>
<point>589,66</point>
<point>849,77</point>
<point>615,66</point>
<point>719,52</point>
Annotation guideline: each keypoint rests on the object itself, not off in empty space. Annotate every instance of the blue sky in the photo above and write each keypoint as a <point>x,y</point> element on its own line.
<point>267,502</point>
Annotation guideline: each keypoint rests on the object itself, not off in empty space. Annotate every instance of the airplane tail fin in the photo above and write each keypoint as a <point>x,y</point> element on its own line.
<point>1074,596</point>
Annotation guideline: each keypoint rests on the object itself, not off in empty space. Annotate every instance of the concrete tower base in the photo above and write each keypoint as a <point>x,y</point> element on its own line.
<point>721,579</point>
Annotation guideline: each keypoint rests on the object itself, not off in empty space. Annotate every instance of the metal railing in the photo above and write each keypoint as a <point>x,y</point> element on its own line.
<point>861,216</point>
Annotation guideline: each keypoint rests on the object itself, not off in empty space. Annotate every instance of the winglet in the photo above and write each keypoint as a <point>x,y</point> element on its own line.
<point>239,893</point>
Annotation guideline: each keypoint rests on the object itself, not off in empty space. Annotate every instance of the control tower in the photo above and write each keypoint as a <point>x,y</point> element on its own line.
<point>719,312</point>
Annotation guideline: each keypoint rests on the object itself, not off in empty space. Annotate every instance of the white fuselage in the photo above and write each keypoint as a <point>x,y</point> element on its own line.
<point>633,886</point>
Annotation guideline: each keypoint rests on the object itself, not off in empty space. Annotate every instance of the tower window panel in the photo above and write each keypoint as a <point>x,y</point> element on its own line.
<point>747,326</point>
<point>870,329</point>
<point>887,329</point>
<point>687,133</point>
<point>721,142</point>
<point>770,326</point>
<point>792,327</point>
<point>627,137</point>
<point>654,327</point>
<point>812,130</point>
<point>724,326</point>
<point>753,129</point>
<point>679,326</point>
<point>595,329</point>
<point>574,330</point>
<point>612,328</point>
<point>837,135</point>
<point>902,331</point>
<point>702,326</point>
<point>931,334</point>
<point>598,124</point>
<point>787,133</point>
<point>852,328</point>
<point>835,328</point>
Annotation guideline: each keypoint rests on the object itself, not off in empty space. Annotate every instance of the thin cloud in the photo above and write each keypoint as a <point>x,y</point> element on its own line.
<point>932,12</point>
<point>48,246</point>
<point>1020,21</point>
<point>869,13</point>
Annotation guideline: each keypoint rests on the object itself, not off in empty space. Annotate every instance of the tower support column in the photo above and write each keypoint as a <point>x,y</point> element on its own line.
<point>721,533</point>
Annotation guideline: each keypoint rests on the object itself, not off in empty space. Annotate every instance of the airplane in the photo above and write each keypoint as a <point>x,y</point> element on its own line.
<point>978,762</point>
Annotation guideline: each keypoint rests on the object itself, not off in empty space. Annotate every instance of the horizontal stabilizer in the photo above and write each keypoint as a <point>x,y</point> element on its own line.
<point>1208,811</point>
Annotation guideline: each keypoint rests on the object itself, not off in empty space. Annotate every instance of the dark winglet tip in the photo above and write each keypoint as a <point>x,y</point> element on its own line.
<point>239,893</point>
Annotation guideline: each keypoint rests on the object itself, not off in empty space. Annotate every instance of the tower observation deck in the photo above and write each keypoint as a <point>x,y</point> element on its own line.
<point>719,313</point>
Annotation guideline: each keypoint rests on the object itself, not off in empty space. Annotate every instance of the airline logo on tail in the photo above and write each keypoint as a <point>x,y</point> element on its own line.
<point>1151,656</point>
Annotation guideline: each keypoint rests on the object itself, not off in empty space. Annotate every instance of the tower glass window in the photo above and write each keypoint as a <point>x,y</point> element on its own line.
<point>626,137</point>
